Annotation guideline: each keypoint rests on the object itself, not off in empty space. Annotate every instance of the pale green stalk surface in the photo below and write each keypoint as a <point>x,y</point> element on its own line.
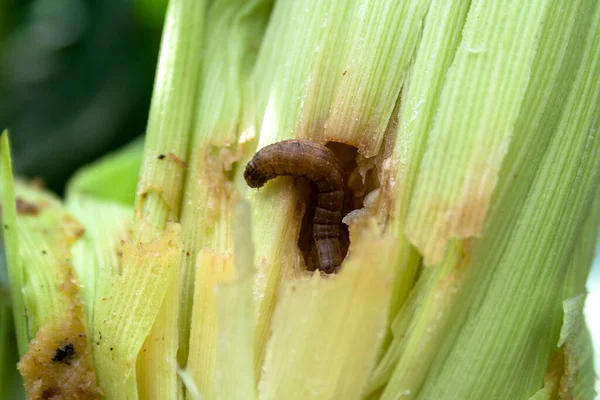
<point>105,210</point>
<point>235,376</point>
<point>441,34</point>
<point>44,264</point>
<point>129,307</point>
<point>169,128</point>
<point>517,295</point>
<point>326,331</point>
<point>96,255</point>
<point>134,298</point>
<point>233,34</point>
<point>433,328</point>
<point>11,245</point>
<point>479,104</point>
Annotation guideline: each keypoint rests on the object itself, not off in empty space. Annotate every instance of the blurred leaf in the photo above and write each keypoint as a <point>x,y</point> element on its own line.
<point>151,12</point>
<point>113,177</point>
<point>75,82</point>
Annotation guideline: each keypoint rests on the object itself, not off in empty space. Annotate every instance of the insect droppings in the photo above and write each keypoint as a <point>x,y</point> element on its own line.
<point>304,158</point>
<point>64,353</point>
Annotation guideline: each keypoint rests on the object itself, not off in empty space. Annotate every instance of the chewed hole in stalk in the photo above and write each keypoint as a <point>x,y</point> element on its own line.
<point>323,185</point>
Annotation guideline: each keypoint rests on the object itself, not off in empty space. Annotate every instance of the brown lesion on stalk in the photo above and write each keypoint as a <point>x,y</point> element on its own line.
<point>25,207</point>
<point>72,228</point>
<point>561,375</point>
<point>177,160</point>
<point>451,220</point>
<point>433,223</point>
<point>165,189</point>
<point>58,363</point>
<point>210,186</point>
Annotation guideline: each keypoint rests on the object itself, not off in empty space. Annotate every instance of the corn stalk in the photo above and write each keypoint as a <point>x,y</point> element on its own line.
<point>467,131</point>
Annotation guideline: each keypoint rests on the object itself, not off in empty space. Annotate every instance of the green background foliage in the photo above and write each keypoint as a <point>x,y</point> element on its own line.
<point>75,79</point>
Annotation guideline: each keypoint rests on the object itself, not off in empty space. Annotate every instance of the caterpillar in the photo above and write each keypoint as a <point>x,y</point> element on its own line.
<point>304,158</point>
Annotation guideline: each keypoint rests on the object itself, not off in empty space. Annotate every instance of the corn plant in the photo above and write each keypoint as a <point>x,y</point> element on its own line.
<point>467,136</point>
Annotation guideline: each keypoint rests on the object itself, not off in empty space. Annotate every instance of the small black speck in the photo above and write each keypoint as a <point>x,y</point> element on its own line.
<point>111,349</point>
<point>64,353</point>
<point>161,156</point>
<point>97,343</point>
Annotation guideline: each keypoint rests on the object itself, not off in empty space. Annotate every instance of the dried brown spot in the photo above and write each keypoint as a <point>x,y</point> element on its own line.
<point>462,220</point>
<point>177,160</point>
<point>73,230</point>
<point>26,208</point>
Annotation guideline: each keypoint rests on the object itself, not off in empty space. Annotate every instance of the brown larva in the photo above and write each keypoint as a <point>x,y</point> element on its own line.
<point>304,158</point>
